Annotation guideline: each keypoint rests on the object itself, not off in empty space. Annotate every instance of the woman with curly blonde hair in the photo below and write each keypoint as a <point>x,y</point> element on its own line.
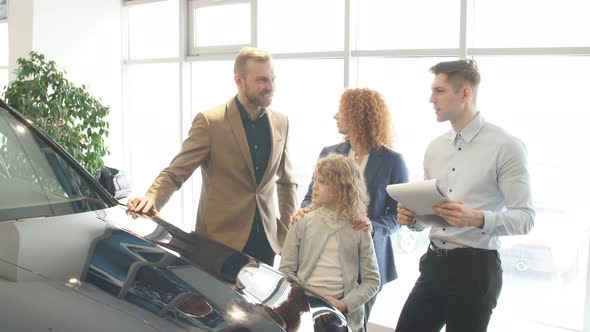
<point>364,120</point>
<point>323,251</point>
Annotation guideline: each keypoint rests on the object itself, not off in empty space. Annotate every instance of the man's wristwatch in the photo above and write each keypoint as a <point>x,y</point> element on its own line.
<point>413,226</point>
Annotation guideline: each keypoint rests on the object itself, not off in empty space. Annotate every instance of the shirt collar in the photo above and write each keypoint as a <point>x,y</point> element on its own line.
<point>243,114</point>
<point>469,132</point>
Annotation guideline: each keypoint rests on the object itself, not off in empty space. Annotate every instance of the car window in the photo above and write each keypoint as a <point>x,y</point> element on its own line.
<point>35,181</point>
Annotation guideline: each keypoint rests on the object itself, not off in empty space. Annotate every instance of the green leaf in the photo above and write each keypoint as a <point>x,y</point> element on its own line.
<point>66,112</point>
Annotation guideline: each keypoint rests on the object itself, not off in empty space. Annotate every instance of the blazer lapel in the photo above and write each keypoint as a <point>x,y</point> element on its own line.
<point>373,164</point>
<point>272,128</point>
<point>233,115</point>
<point>343,148</point>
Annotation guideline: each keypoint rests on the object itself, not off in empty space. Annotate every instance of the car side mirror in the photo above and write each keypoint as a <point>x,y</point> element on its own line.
<point>115,182</point>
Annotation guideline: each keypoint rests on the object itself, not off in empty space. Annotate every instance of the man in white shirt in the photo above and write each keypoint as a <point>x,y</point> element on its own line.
<point>484,170</point>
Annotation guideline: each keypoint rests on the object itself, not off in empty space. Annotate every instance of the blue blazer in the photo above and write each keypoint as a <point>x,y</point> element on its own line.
<point>384,167</point>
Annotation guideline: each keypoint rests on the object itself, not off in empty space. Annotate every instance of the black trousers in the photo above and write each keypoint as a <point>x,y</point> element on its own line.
<point>459,288</point>
<point>257,245</point>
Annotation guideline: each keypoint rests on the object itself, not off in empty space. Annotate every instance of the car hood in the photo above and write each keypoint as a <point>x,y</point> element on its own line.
<point>102,269</point>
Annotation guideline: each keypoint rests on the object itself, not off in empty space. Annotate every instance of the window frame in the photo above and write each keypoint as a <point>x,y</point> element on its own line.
<point>195,50</point>
<point>127,3</point>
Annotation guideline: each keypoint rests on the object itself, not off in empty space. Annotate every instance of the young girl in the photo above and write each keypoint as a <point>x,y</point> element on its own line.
<point>323,252</point>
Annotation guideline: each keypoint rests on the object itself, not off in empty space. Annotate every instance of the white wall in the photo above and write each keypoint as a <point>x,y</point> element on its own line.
<point>82,37</point>
<point>20,31</point>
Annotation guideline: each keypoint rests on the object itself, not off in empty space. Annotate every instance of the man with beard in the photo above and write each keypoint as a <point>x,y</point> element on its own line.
<point>241,147</point>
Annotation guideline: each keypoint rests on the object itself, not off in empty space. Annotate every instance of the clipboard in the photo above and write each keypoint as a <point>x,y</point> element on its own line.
<point>420,197</point>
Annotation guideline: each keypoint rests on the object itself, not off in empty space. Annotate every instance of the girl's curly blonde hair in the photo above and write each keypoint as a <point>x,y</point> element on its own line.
<point>367,117</point>
<point>344,177</point>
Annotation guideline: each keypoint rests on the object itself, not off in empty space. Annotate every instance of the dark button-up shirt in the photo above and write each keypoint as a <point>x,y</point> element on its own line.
<point>258,137</point>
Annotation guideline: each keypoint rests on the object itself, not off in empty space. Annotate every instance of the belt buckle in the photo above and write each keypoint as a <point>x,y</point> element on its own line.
<point>439,252</point>
<point>442,252</point>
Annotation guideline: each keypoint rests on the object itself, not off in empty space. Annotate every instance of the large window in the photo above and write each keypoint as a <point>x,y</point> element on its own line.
<point>550,257</point>
<point>153,30</point>
<point>151,97</point>
<point>405,84</point>
<point>530,23</point>
<point>399,24</point>
<point>220,26</point>
<point>213,84</point>
<point>534,58</point>
<point>301,26</point>
<point>152,123</point>
<point>310,99</point>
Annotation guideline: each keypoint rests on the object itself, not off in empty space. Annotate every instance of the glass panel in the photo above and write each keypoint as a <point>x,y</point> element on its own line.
<point>213,84</point>
<point>301,26</point>
<point>3,44</point>
<point>310,100</point>
<point>153,114</point>
<point>405,85</point>
<point>153,30</point>
<point>35,181</point>
<point>222,25</point>
<point>530,23</point>
<point>551,258</point>
<point>399,24</point>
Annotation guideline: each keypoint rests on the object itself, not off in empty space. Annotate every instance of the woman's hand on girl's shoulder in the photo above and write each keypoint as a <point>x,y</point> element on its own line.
<point>364,224</point>
<point>298,215</point>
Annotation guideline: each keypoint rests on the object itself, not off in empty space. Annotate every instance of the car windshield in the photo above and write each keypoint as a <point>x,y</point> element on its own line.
<point>35,181</point>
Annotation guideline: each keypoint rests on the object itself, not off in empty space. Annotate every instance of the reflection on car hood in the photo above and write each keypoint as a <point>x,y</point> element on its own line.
<point>35,303</point>
<point>104,269</point>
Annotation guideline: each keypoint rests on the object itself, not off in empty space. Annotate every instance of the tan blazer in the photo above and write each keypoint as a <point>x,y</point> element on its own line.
<point>229,194</point>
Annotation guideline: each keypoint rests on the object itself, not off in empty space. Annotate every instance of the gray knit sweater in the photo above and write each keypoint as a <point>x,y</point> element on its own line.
<point>304,245</point>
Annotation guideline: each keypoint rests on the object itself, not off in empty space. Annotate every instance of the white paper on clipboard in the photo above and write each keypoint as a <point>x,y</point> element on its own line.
<point>420,197</point>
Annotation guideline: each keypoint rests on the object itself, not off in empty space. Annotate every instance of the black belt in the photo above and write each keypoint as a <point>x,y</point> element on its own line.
<point>458,251</point>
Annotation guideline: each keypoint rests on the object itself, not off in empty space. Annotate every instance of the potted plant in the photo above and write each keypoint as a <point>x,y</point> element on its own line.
<point>66,112</point>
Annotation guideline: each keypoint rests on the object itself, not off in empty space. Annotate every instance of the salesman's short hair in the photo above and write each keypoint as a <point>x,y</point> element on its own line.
<point>459,72</point>
<point>249,53</point>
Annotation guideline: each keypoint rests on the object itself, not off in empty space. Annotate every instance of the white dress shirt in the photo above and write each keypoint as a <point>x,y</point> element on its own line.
<point>485,167</point>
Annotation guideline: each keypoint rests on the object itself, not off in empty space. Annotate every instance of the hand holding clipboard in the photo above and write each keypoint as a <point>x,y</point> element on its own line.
<point>420,197</point>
